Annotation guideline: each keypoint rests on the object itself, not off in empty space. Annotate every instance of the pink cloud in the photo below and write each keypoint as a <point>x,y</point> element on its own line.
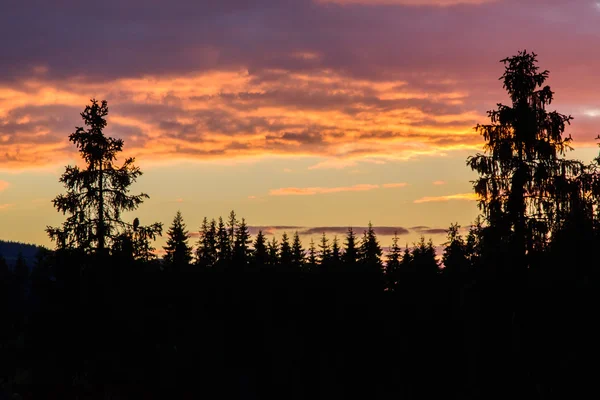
<point>395,185</point>
<point>309,191</point>
<point>336,88</point>
<point>460,196</point>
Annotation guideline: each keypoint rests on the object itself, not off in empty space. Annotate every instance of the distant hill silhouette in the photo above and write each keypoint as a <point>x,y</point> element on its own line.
<point>10,251</point>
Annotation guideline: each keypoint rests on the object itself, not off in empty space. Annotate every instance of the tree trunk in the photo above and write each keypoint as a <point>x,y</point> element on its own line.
<point>100,228</point>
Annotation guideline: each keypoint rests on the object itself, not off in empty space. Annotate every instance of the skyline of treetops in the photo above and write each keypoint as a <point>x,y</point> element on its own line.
<point>538,163</point>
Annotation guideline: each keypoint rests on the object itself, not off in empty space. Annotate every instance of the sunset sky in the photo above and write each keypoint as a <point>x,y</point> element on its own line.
<point>306,115</point>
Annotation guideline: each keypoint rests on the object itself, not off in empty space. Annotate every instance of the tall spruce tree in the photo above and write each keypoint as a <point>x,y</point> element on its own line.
<point>350,256</point>
<point>98,193</point>
<point>232,223</point>
<point>324,255</point>
<point>336,256</point>
<point>455,253</point>
<point>392,266</point>
<point>423,259</point>
<point>178,252</point>
<point>241,247</point>
<point>312,259</point>
<point>206,250</point>
<point>526,188</point>
<point>224,245</point>
<point>273,250</point>
<point>286,255</point>
<point>298,254</point>
<point>370,251</point>
<point>260,254</point>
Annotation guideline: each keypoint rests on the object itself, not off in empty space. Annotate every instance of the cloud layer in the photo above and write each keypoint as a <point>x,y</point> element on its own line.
<point>449,197</point>
<point>363,80</point>
<point>309,191</point>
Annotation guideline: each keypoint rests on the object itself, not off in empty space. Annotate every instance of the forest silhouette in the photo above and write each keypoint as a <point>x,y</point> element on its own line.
<point>507,310</point>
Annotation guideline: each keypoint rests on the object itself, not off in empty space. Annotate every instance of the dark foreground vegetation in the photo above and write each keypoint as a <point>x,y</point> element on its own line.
<point>512,313</point>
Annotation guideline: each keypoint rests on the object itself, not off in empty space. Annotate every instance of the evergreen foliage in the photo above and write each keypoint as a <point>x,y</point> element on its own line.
<point>178,253</point>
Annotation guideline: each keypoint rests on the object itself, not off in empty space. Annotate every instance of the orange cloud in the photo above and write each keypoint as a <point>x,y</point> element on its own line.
<point>309,191</point>
<point>460,196</point>
<point>235,115</point>
<point>4,206</point>
<point>3,185</point>
<point>439,182</point>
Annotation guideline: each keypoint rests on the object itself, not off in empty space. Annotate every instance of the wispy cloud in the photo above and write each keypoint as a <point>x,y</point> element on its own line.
<point>341,230</point>
<point>272,229</point>
<point>395,185</point>
<point>334,164</point>
<point>5,206</point>
<point>425,230</point>
<point>460,196</point>
<point>309,191</point>
<point>4,185</point>
<point>439,182</point>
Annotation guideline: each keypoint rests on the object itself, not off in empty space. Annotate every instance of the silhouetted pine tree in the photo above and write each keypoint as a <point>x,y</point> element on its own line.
<point>526,189</point>
<point>232,229</point>
<point>178,252</point>
<point>350,256</point>
<point>273,250</point>
<point>286,255</point>
<point>370,252</point>
<point>324,255</point>
<point>392,266</point>
<point>298,255</point>
<point>336,256</point>
<point>423,259</point>
<point>206,250</point>
<point>454,258</point>
<point>406,262</point>
<point>241,247</point>
<point>312,259</point>
<point>370,264</point>
<point>98,194</point>
<point>473,244</point>
<point>260,254</point>
<point>224,245</point>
